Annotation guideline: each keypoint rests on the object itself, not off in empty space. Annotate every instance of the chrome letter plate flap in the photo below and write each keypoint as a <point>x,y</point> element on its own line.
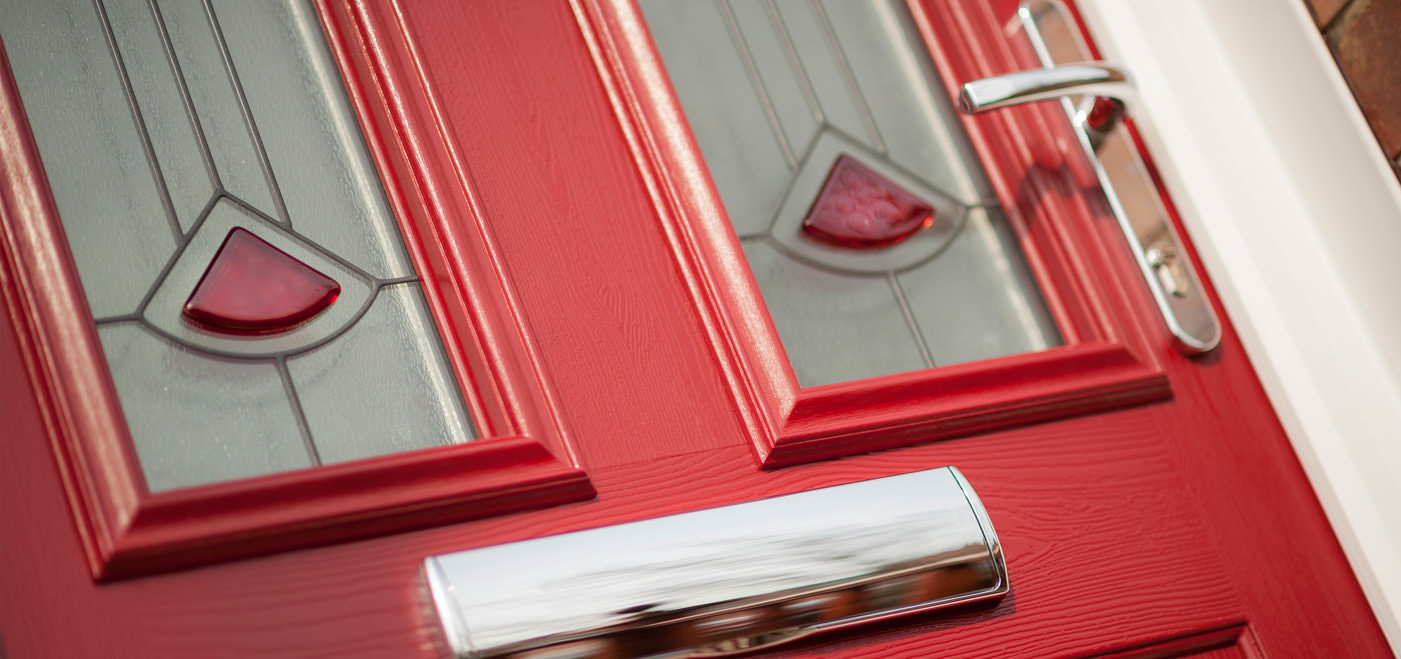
<point>725,580</point>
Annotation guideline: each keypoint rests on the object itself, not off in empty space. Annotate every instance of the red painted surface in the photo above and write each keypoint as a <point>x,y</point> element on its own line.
<point>252,287</point>
<point>860,209</point>
<point>1148,504</point>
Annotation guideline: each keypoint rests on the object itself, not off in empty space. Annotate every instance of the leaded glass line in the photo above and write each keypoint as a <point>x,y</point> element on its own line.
<point>297,411</point>
<point>247,113</point>
<point>910,319</point>
<point>185,98</point>
<point>756,80</point>
<point>849,78</point>
<point>140,123</point>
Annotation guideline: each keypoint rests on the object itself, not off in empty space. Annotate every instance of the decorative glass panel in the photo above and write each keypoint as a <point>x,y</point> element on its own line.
<point>209,146</point>
<point>868,223</point>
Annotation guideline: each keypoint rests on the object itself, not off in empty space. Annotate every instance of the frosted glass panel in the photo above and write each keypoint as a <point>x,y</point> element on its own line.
<point>777,93</point>
<point>312,141</point>
<point>175,141</point>
<point>393,373</point>
<point>231,136</point>
<point>955,297</point>
<point>814,328</point>
<point>194,422</point>
<point>166,127</point>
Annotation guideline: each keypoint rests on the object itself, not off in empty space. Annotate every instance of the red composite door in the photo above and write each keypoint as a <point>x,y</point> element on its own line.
<point>620,362</point>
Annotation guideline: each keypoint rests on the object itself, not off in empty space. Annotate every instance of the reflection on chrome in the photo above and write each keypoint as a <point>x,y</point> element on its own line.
<point>1124,177</point>
<point>725,580</point>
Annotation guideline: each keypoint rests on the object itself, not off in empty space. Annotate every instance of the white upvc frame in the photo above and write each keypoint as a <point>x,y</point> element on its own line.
<point>1297,216</point>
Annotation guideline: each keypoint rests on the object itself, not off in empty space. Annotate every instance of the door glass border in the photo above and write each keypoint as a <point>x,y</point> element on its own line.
<point>1107,360</point>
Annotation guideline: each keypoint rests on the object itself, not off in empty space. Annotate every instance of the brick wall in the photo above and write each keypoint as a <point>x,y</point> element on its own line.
<point>1364,35</point>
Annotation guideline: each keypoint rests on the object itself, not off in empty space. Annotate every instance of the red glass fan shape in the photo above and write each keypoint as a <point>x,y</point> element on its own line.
<point>860,209</point>
<point>252,287</point>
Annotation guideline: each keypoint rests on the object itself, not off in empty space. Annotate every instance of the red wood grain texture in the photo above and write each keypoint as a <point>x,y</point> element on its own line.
<point>524,462</point>
<point>1125,530</point>
<point>1230,642</point>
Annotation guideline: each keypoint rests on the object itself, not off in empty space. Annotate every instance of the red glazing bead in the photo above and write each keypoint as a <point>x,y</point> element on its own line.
<point>252,287</point>
<point>860,209</point>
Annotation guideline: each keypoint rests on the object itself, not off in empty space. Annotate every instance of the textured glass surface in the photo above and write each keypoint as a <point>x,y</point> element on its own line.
<point>973,285</point>
<point>394,373</point>
<point>777,92</point>
<point>818,330</point>
<point>198,421</point>
<point>163,127</point>
<point>313,142</point>
<point>920,131</point>
<point>178,153</point>
<point>230,134</point>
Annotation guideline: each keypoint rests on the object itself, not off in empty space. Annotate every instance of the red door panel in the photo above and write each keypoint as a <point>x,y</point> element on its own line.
<point>574,257</point>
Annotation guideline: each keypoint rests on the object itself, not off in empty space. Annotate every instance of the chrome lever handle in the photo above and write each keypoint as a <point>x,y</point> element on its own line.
<point>1083,78</point>
<point>1122,174</point>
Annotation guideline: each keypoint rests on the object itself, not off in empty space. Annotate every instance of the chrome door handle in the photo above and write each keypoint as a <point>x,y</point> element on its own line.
<point>1123,176</point>
<point>1084,78</point>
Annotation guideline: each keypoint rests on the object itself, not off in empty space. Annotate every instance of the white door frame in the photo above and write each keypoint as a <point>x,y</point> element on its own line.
<point>1297,216</point>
